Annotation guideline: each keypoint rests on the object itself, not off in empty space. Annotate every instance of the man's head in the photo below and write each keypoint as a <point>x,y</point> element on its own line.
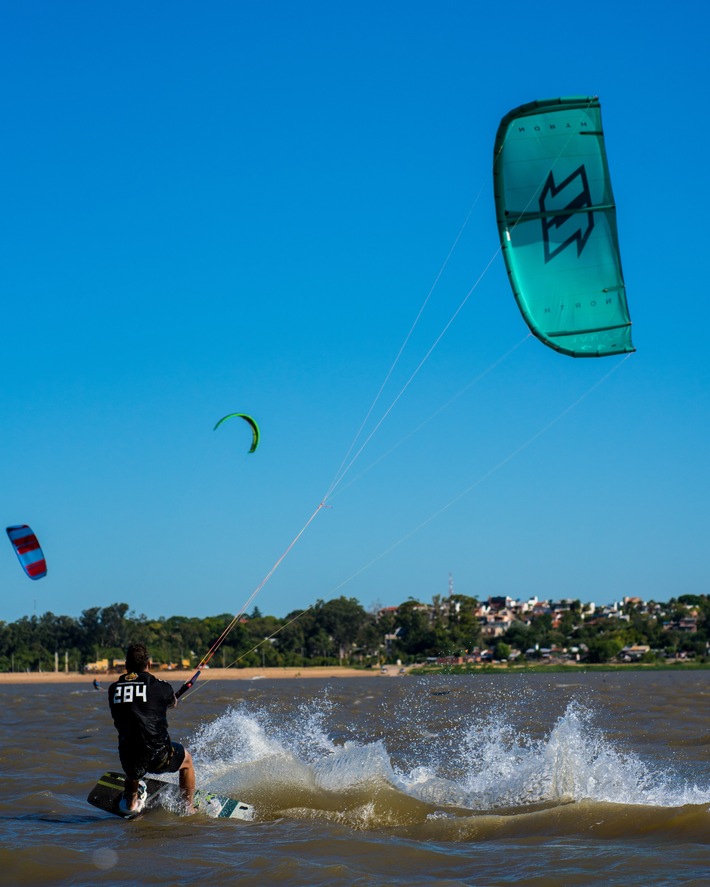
<point>137,658</point>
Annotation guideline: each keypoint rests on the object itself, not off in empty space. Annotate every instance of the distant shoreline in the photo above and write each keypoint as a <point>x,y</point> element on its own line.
<point>180,676</point>
<point>569,667</point>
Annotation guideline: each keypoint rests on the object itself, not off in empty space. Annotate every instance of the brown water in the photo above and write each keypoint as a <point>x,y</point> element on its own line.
<point>598,778</point>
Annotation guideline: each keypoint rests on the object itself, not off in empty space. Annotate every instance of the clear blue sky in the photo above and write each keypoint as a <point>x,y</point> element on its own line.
<point>241,206</point>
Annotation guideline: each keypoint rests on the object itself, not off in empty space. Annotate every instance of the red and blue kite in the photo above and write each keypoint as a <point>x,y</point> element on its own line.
<point>28,551</point>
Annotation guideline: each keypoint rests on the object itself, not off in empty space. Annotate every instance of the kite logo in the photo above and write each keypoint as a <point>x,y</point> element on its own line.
<point>562,206</point>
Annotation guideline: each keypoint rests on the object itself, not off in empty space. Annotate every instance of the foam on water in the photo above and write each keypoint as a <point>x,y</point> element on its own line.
<point>486,765</point>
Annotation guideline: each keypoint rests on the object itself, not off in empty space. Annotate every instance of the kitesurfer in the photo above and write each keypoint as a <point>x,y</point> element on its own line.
<point>139,702</point>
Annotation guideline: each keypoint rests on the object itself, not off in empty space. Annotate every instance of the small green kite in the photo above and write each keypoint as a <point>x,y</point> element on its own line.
<point>254,427</point>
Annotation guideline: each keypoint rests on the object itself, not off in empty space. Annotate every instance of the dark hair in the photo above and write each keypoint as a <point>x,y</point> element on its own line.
<point>137,658</point>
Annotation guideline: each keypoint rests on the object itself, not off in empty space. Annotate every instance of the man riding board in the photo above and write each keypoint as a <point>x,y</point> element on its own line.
<point>139,702</point>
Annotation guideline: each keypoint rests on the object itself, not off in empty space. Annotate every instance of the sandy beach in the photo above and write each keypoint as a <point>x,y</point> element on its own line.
<point>180,676</point>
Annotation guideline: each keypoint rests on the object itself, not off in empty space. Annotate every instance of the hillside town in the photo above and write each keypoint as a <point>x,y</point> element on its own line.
<point>629,631</point>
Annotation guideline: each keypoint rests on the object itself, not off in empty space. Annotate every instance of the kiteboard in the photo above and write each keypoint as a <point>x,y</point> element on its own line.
<point>108,790</point>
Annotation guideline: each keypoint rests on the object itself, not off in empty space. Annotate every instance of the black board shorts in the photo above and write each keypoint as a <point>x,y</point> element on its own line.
<point>167,761</point>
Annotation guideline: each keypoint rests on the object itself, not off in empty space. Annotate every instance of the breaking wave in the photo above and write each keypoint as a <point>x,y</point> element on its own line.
<point>298,764</point>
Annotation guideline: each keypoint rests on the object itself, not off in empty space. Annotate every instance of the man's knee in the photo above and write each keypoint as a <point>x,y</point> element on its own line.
<point>187,762</point>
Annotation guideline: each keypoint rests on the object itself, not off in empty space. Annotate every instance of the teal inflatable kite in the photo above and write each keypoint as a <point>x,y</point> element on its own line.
<point>254,427</point>
<point>557,224</point>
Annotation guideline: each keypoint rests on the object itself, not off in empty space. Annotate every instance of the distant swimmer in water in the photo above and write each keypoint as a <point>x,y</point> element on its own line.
<point>97,685</point>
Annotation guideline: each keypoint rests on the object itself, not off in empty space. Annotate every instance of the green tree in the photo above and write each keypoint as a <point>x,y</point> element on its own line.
<point>341,619</point>
<point>502,651</point>
<point>604,649</point>
<point>463,627</point>
<point>417,637</point>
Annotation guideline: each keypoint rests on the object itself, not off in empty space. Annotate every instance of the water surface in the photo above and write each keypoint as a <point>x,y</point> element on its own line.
<point>527,779</point>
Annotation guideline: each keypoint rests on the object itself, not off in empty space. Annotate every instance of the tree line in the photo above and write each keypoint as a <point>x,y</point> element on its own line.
<point>341,631</point>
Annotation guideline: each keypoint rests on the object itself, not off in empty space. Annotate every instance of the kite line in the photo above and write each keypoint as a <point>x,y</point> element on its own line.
<point>585,339</point>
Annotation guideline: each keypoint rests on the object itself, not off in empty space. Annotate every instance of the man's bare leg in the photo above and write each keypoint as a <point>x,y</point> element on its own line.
<point>186,776</point>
